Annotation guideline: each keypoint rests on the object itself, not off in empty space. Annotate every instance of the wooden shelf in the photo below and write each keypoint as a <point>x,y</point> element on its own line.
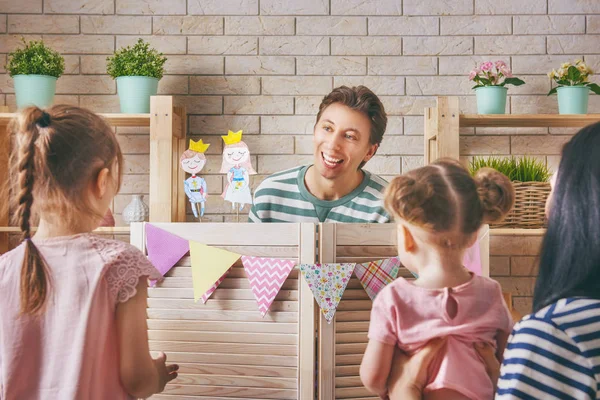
<point>517,232</point>
<point>105,230</point>
<point>527,120</point>
<point>114,119</point>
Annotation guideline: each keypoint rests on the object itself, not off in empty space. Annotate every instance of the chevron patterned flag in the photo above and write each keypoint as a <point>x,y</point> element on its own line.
<point>327,283</point>
<point>266,276</point>
<point>375,275</point>
<point>214,287</point>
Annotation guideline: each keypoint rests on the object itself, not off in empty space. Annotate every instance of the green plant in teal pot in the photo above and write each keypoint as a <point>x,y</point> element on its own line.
<point>137,71</point>
<point>35,69</point>
<point>573,87</point>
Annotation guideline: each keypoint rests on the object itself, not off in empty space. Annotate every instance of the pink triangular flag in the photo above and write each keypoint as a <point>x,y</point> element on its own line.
<point>266,276</point>
<point>214,287</point>
<point>472,259</point>
<point>164,248</point>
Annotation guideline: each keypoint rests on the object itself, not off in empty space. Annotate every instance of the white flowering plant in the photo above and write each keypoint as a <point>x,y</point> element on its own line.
<point>576,73</point>
<point>493,74</point>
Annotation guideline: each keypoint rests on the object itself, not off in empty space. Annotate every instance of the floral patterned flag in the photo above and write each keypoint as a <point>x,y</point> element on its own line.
<point>327,282</point>
<point>376,275</point>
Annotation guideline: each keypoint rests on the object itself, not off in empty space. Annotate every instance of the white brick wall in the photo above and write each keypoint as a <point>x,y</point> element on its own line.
<point>263,66</point>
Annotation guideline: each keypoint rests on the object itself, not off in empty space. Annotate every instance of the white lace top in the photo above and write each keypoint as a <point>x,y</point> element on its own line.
<point>71,352</point>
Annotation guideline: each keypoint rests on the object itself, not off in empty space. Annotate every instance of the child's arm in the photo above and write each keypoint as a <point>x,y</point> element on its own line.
<point>375,367</point>
<point>501,341</point>
<point>141,376</point>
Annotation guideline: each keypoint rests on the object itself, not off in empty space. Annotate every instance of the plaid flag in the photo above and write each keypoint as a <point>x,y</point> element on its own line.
<point>375,275</point>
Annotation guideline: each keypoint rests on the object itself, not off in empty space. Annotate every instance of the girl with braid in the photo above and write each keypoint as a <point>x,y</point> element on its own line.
<point>72,305</point>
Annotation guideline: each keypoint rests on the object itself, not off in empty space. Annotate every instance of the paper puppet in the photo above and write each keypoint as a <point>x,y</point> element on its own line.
<point>192,161</point>
<point>237,166</point>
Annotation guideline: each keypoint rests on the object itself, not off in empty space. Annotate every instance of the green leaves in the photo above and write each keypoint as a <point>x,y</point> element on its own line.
<point>139,60</point>
<point>553,91</point>
<point>594,88</point>
<point>35,59</point>
<point>524,169</point>
<point>513,81</point>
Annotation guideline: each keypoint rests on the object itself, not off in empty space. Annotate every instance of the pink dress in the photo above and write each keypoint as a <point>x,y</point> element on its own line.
<point>71,352</point>
<point>409,316</point>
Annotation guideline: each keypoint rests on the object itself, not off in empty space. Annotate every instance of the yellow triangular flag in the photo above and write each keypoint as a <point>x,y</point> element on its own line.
<point>208,265</point>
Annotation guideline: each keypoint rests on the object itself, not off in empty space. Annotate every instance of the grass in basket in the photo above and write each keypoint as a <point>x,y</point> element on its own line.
<point>522,169</point>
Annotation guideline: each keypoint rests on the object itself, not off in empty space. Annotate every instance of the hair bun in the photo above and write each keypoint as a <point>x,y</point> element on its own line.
<point>496,193</point>
<point>406,196</point>
<point>44,120</point>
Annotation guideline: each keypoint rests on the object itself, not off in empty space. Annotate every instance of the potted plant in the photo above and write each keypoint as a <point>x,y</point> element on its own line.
<point>531,180</point>
<point>35,69</point>
<point>491,80</point>
<point>137,71</point>
<point>573,87</point>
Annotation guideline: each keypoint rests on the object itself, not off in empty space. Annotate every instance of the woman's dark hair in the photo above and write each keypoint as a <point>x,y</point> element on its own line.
<point>570,254</point>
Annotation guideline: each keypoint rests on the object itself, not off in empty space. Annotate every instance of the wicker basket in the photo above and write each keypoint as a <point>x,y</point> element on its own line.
<point>529,209</point>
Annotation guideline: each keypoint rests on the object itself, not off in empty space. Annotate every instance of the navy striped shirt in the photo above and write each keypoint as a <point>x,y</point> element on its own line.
<point>554,354</point>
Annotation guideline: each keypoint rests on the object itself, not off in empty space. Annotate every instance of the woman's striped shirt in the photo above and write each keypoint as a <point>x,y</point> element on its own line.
<point>283,197</point>
<point>554,354</point>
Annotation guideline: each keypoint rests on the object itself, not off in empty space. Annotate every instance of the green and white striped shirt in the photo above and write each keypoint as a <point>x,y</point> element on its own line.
<point>283,197</point>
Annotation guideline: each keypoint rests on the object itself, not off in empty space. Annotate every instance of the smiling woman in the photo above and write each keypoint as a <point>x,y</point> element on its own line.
<point>349,128</point>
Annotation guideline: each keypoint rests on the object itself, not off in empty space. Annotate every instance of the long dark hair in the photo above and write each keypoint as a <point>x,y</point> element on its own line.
<point>570,254</point>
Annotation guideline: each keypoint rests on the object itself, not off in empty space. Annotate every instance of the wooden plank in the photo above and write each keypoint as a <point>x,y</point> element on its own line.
<point>346,370</point>
<point>221,294</point>
<point>224,348</point>
<point>241,370</point>
<point>528,120</point>
<point>113,119</point>
<point>328,241</point>
<point>236,272</point>
<point>483,237</point>
<point>348,381</point>
<point>246,234</point>
<point>222,326</point>
<point>430,135</point>
<point>344,316</point>
<point>350,348</point>
<point>355,305</point>
<point>448,128</point>
<point>307,322</point>
<point>352,393</point>
<point>137,236</point>
<point>179,122</point>
<point>349,359</point>
<point>370,252</point>
<point>161,158</point>
<point>351,337</point>
<point>224,337</point>
<point>220,315</point>
<point>232,359</point>
<point>233,380</point>
<point>352,326</point>
<point>517,232</point>
<point>178,196</point>
<point>260,393</point>
<point>367,235</point>
<point>234,305</point>
<point>228,283</point>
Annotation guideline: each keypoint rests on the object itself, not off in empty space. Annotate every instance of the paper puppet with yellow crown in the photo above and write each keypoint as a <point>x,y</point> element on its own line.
<point>192,161</point>
<point>237,166</point>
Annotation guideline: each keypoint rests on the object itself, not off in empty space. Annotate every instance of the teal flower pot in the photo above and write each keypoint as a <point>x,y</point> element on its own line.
<point>134,93</point>
<point>491,99</point>
<point>34,90</point>
<point>573,99</point>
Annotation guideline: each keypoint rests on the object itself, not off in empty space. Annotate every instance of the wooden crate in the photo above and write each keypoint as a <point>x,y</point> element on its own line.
<point>343,342</point>
<point>225,349</point>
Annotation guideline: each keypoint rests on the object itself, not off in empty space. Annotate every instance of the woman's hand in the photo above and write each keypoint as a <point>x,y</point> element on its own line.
<point>166,372</point>
<point>492,365</point>
<point>408,376</point>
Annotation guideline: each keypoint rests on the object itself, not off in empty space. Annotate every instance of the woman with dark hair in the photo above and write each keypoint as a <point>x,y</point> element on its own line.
<point>555,351</point>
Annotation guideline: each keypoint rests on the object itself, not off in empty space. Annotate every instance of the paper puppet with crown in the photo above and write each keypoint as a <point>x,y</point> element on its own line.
<point>192,161</point>
<point>237,166</point>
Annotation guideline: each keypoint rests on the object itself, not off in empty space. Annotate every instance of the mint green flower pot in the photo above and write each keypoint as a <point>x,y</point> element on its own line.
<point>491,99</point>
<point>573,99</point>
<point>34,90</point>
<point>134,93</point>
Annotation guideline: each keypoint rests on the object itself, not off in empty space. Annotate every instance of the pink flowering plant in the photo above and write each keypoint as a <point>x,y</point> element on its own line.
<point>493,74</point>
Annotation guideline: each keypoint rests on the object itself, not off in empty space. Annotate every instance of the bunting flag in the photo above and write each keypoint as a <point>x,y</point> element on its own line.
<point>266,276</point>
<point>164,249</point>
<point>208,266</point>
<point>327,283</point>
<point>214,287</point>
<point>376,275</point>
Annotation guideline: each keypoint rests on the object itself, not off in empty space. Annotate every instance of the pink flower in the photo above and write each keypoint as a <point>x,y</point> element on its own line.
<point>473,74</point>
<point>486,66</point>
<point>506,72</point>
<point>500,64</point>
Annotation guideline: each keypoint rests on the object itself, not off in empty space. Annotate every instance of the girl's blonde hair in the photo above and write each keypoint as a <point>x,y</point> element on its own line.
<point>56,154</point>
<point>443,198</point>
<point>225,167</point>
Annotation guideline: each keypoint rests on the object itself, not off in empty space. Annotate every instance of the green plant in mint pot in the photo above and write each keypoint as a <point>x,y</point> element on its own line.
<point>490,89</point>
<point>573,87</point>
<point>35,69</point>
<point>137,71</point>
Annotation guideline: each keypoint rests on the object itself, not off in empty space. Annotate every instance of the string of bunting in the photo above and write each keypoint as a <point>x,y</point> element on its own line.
<point>327,282</point>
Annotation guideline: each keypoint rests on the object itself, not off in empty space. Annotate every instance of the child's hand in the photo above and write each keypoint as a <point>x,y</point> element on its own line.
<point>166,373</point>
